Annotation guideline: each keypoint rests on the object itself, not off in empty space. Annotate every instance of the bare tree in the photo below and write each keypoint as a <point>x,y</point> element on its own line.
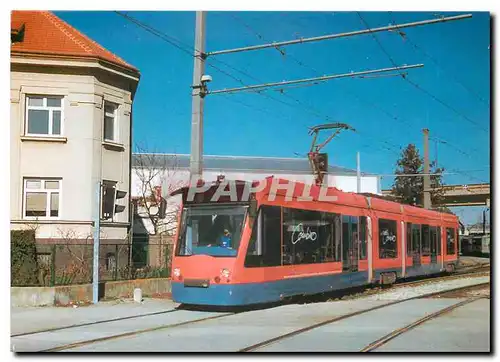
<point>77,256</point>
<point>157,177</point>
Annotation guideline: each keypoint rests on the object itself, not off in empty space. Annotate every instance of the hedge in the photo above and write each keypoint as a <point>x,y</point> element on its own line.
<point>24,266</point>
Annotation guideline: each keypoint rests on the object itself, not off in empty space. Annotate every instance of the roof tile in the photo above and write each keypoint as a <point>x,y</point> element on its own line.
<point>46,34</point>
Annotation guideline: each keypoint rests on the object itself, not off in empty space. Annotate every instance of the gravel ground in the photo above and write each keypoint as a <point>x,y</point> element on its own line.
<point>472,261</point>
<point>415,291</point>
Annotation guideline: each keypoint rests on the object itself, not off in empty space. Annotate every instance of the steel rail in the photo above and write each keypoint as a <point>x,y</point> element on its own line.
<point>390,336</point>
<point>132,333</point>
<point>346,316</point>
<point>55,329</point>
<point>340,35</point>
<point>427,280</point>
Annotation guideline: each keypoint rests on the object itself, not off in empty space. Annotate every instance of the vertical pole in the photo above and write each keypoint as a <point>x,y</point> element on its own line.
<point>196,162</point>
<point>484,222</point>
<point>358,172</point>
<point>97,232</point>
<point>427,178</point>
<point>436,151</point>
<point>53,266</point>
<point>131,239</point>
<point>115,272</point>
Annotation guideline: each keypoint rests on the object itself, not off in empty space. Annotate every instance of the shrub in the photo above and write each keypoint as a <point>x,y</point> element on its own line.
<point>24,266</point>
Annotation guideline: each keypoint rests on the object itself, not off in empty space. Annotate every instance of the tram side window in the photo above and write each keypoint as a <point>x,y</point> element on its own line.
<point>308,237</point>
<point>439,240</point>
<point>362,238</point>
<point>415,239</point>
<point>264,248</point>
<point>426,241</point>
<point>408,238</point>
<point>450,241</point>
<point>388,245</point>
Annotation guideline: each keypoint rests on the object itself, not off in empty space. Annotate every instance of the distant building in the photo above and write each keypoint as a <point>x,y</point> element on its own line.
<point>171,171</point>
<point>475,239</point>
<point>71,116</point>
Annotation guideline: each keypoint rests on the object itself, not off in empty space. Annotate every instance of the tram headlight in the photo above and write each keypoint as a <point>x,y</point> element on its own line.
<point>177,272</point>
<point>225,273</point>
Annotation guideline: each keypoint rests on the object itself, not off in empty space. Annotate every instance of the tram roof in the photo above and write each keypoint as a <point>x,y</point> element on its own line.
<point>343,198</point>
<point>236,163</point>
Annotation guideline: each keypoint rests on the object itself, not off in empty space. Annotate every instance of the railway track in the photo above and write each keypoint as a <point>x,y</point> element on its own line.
<point>475,271</point>
<point>55,329</point>
<point>390,336</point>
<point>132,333</point>
<point>106,324</point>
<point>139,331</point>
<point>381,341</point>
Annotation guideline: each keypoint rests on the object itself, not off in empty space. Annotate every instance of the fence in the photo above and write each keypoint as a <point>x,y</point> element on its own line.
<point>65,264</point>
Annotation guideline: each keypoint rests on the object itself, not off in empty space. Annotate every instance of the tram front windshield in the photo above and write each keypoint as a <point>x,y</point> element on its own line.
<point>211,230</point>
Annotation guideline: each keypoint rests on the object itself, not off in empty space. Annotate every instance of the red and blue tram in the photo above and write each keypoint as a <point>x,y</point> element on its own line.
<point>275,243</point>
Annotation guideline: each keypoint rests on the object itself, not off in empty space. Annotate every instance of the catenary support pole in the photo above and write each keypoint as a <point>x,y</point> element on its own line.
<point>358,172</point>
<point>427,178</point>
<point>97,234</point>
<point>196,162</point>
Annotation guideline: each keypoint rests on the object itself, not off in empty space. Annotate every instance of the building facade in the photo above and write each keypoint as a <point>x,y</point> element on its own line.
<point>71,116</point>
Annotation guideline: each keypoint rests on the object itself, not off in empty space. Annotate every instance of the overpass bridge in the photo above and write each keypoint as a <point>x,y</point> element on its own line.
<point>462,195</point>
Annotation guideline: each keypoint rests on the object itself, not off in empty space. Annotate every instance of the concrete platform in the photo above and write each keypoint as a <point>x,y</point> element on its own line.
<point>234,332</point>
<point>353,334</point>
<point>48,340</point>
<point>466,329</point>
<point>31,319</point>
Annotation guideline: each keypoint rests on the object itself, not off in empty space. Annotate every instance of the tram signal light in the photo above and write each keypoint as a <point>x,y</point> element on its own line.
<point>109,196</point>
<point>108,200</point>
<point>119,195</point>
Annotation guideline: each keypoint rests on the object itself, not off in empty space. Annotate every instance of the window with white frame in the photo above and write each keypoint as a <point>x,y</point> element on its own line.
<point>44,115</point>
<point>110,122</point>
<point>41,198</point>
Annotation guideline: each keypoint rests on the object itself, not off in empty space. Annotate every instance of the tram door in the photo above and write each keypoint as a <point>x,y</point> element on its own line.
<point>416,245</point>
<point>350,244</point>
<point>434,247</point>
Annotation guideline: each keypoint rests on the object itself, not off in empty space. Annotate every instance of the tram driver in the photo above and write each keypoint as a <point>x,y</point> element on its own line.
<point>225,239</point>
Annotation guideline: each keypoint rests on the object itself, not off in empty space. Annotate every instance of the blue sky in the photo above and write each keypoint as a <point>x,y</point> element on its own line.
<point>388,112</point>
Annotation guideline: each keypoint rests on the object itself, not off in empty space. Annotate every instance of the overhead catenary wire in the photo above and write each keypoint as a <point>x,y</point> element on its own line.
<point>174,42</point>
<point>315,71</point>
<point>433,60</point>
<point>421,174</point>
<point>448,143</point>
<point>375,105</point>
<point>407,79</point>
<point>387,145</point>
<point>189,51</point>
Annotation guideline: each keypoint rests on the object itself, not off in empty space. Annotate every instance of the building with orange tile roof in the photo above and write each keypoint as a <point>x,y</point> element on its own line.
<point>71,121</point>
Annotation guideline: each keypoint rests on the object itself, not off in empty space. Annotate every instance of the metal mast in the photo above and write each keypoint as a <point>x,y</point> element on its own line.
<point>198,93</point>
